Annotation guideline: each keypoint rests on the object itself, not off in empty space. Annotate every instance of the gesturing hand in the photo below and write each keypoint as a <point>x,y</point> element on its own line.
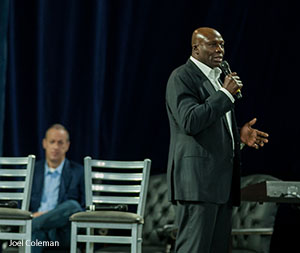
<point>253,137</point>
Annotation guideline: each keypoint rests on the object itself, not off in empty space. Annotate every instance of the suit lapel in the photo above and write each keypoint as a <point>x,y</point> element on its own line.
<point>211,90</point>
<point>40,177</point>
<point>235,128</point>
<point>208,86</point>
<point>64,181</point>
<point>224,119</point>
<point>206,83</point>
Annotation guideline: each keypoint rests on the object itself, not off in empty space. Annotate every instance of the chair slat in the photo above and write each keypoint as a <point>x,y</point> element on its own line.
<point>117,164</point>
<point>99,239</point>
<point>115,200</point>
<point>117,188</point>
<point>117,176</point>
<point>14,160</point>
<point>13,172</point>
<point>11,195</point>
<point>17,236</point>
<point>12,184</point>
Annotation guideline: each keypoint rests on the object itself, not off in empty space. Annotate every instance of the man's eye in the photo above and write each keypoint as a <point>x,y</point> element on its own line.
<point>215,44</point>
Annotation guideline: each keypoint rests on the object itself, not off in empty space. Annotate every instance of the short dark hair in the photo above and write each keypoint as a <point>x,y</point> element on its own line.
<point>58,126</point>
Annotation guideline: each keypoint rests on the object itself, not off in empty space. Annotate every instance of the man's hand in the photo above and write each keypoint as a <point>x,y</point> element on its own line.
<point>37,214</point>
<point>233,83</point>
<point>253,137</point>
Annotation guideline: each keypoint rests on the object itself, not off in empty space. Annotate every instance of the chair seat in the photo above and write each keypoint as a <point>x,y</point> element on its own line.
<point>14,213</point>
<point>107,217</point>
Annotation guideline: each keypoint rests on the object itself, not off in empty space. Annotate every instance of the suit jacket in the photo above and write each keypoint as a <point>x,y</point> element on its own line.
<point>202,165</point>
<point>71,184</point>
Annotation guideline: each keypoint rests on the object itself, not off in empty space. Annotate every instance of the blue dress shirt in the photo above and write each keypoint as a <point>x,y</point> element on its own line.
<point>51,187</point>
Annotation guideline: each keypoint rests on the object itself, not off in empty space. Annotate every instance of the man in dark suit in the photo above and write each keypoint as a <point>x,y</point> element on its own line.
<point>57,191</point>
<point>204,155</point>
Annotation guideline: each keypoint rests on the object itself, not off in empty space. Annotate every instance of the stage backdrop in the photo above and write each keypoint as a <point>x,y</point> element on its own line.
<point>3,61</point>
<point>101,68</point>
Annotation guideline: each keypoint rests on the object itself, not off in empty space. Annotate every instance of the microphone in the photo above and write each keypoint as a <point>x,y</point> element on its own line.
<point>226,70</point>
<point>123,208</point>
<point>9,204</point>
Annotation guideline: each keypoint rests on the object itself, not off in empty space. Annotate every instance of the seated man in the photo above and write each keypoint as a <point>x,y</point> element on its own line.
<point>57,191</point>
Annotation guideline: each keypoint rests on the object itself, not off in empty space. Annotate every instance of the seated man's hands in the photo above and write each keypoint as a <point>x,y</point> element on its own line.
<point>37,214</point>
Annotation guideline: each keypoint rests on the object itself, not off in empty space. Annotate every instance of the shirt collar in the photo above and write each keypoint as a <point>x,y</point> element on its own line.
<point>207,71</point>
<point>58,170</point>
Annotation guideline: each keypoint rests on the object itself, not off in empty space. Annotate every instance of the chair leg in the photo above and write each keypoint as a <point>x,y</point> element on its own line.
<point>27,230</point>
<point>136,239</point>
<point>73,237</point>
<point>140,238</point>
<point>27,249</point>
<point>89,248</point>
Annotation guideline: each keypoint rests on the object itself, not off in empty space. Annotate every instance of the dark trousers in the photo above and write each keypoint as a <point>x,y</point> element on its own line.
<point>203,227</point>
<point>54,225</point>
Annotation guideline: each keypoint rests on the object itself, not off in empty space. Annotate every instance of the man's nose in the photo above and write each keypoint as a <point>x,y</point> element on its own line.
<point>219,48</point>
<point>55,145</point>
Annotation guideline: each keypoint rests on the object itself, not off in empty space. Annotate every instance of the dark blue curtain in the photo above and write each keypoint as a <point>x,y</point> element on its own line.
<point>101,68</point>
<point>3,61</point>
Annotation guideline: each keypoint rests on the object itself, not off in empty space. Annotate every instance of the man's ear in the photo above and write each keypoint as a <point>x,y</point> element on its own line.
<point>195,48</point>
<point>44,143</point>
<point>68,146</point>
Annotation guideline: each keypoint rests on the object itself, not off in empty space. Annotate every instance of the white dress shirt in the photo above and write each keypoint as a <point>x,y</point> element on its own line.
<point>213,76</point>
<point>50,193</point>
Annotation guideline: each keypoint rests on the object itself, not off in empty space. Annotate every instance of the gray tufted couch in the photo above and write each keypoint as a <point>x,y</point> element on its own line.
<point>159,233</point>
<point>160,213</point>
<point>258,217</point>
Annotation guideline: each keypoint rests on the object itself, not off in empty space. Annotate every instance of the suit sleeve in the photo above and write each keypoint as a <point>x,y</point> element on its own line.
<point>191,106</point>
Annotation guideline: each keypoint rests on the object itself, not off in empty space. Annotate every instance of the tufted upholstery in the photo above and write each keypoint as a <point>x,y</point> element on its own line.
<point>253,215</point>
<point>159,211</point>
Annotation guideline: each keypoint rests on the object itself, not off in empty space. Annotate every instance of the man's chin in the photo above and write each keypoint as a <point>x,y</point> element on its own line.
<point>55,160</point>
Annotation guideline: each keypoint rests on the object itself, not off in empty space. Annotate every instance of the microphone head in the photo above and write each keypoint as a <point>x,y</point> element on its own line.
<point>226,70</point>
<point>225,67</point>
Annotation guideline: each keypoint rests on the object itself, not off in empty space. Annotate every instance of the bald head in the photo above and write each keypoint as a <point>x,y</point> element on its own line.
<point>208,46</point>
<point>202,34</point>
<point>56,144</point>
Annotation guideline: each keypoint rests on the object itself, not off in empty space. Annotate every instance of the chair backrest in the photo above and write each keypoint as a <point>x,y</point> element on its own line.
<point>117,182</point>
<point>16,175</point>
